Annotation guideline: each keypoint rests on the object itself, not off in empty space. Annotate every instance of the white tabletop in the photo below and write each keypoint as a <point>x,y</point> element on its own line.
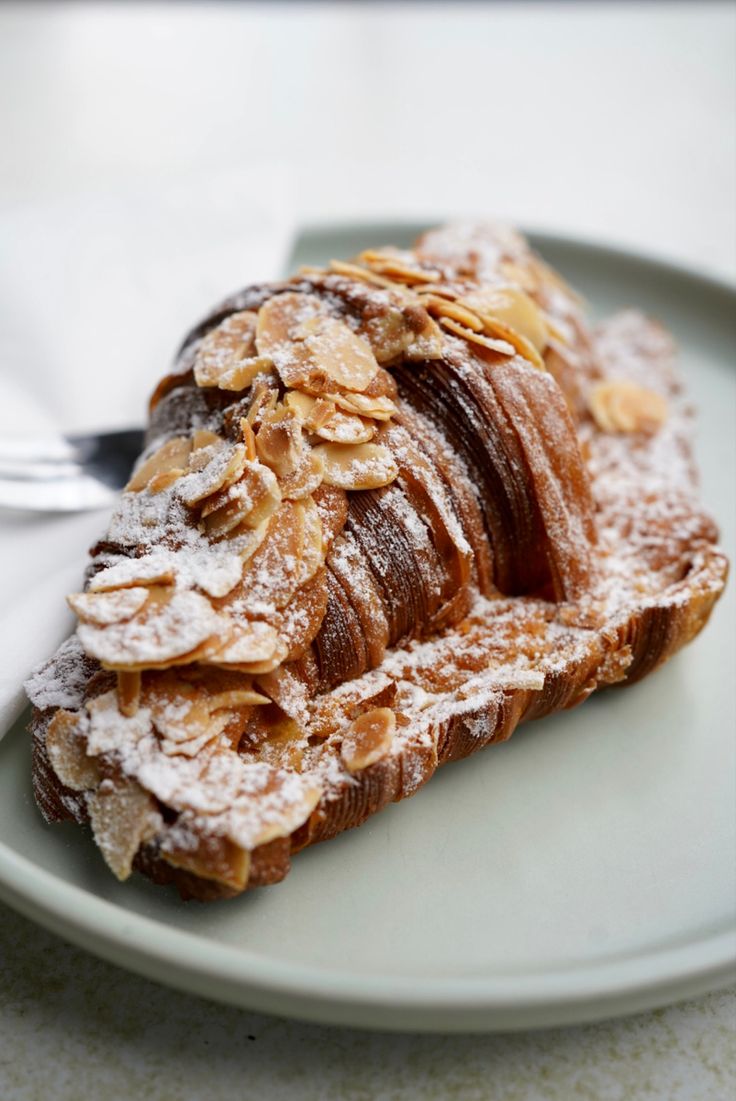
<point>613,121</point>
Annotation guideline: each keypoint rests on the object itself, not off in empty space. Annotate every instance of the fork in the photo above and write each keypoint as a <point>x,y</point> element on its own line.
<point>66,473</point>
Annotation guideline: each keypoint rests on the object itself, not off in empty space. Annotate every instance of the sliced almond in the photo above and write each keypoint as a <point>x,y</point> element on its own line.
<point>170,625</point>
<point>280,317</point>
<point>322,417</point>
<point>319,414</point>
<point>427,344</point>
<point>241,375</point>
<point>237,697</point>
<point>444,307</point>
<point>123,816</point>
<point>357,466</point>
<point>279,441</point>
<point>500,346</point>
<point>305,479</point>
<point>362,275</point>
<point>248,503</point>
<point>249,643</point>
<point>402,266</point>
<point>622,406</point>
<point>258,668</point>
<point>129,693</point>
<point>204,438</point>
<point>300,403</point>
<point>368,739</point>
<point>221,468</point>
<point>208,857</point>
<point>104,608</point>
<point>341,427</point>
<point>513,308</point>
<point>313,553</point>
<point>179,709</point>
<point>440,290</point>
<point>291,814</point>
<point>343,356</point>
<point>264,396</point>
<point>249,440</point>
<point>173,455</point>
<point>379,408</point>
<point>225,347</point>
<point>160,482</point>
<point>65,747</point>
<point>132,572</point>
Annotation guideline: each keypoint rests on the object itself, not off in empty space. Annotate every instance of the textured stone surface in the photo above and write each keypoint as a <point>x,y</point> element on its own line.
<point>73,1028</point>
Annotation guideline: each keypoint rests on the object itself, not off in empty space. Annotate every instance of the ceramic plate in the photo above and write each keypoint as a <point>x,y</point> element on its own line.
<point>583,869</point>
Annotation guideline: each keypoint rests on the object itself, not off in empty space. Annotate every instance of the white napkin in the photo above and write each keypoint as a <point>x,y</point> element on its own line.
<point>96,293</point>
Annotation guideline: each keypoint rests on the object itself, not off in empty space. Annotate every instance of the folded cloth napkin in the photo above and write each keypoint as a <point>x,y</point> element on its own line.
<point>95,293</point>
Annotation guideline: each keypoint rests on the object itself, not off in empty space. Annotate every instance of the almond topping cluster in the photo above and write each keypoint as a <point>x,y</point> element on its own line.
<point>500,317</point>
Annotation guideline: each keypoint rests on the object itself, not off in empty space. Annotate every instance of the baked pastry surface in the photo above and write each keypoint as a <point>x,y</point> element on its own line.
<point>387,511</point>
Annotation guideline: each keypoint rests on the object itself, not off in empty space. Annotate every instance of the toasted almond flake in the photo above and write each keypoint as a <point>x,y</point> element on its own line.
<point>299,403</point>
<point>362,275</point>
<point>249,440</point>
<point>237,697</point>
<point>204,438</point>
<point>368,739</point>
<point>313,553</point>
<point>264,396</point>
<point>180,711</point>
<point>441,290</point>
<point>280,317</point>
<point>357,466</point>
<point>173,455</point>
<point>225,347</point>
<point>160,482</point>
<point>249,502</point>
<point>621,406</point>
<point>250,642</point>
<point>293,815</point>
<point>520,343</point>
<point>343,427</point>
<point>65,747</point>
<point>122,816</point>
<point>129,693</point>
<point>258,668</point>
<point>427,344</point>
<point>242,375</point>
<point>399,265</point>
<point>305,480</point>
<point>379,408</point>
<point>337,352</point>
<point>114,606</point>
<point>513,308</point>
<point>319,414</point>
<point>170,625</point>
<point>132,572</point>
<point>443,307</point>
<point>215,858</point>
<point>221,469</point>
<point>279,441</point>
<point>501,346</point>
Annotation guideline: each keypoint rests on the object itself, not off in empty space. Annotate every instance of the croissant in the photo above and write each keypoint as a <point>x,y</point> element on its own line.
<point>387,511</point>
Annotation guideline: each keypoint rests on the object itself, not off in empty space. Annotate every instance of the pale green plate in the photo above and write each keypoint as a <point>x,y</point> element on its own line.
<point>584,869</point>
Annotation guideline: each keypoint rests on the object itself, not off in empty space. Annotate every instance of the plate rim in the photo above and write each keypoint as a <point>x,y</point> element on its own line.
<point>191,962</point>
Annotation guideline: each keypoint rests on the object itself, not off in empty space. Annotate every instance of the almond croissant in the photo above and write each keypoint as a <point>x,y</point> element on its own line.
<point>387,511</point>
